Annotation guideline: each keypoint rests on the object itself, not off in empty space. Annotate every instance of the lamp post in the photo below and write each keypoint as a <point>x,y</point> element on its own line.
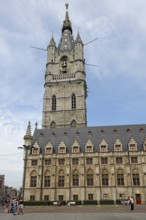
<point>26,148</point>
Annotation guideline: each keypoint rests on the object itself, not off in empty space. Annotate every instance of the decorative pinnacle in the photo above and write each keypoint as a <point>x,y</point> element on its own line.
<point>67,5</point>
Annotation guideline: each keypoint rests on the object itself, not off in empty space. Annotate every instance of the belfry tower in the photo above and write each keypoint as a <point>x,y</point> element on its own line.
<point>64,103</point>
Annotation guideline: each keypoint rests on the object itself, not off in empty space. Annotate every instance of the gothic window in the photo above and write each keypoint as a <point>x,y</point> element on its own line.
<point>105,178</point>
<point>34,162</point>
<point>61,180</point>
<point>90,196</point>
<point>46,197</point>
<point>73,101</point>
<point>47,162</point>
<point>53,103</point>
<point>90,178</point>
<point>75,197</point>
<point>73,124</point>
<point>134,160</point>
<point>103,160</point>
<point>53,124</point>
<point>32,198</point>
<point>119,160</point>
<point>75,179</point>
<point>60,197</point>
<point>61,161</point>
<point>120,178</point>
<point>75,161</point>
<point>136,179</point>
<point>89,160</point>
<point>47,181</point>
<point>33,179</point>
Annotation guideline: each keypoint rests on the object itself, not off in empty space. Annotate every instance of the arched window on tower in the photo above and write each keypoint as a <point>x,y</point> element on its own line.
<point>73,101</point>
<point>53,103</point>
<point>73,124</point>
<point>53,124</point>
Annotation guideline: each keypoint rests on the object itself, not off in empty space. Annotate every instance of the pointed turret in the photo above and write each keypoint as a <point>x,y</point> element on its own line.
<point>52,42</point>
<point>78,47</point>
<point>67,23</point>
<point>78,39</point>
<point>28,136</point>
<point>51,50</point>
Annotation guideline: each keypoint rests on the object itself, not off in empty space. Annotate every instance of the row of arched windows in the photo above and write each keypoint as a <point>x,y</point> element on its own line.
<point>54,102</point>
<point>89,178</point>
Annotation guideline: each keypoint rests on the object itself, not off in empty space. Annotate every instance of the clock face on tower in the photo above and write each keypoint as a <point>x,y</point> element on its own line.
<point>63,65</point>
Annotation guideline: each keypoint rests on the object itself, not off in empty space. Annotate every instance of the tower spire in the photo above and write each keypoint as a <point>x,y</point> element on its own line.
<point>66,22</point>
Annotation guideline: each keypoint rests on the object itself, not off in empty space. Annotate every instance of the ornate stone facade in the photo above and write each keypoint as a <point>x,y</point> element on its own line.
<point>65,160</point>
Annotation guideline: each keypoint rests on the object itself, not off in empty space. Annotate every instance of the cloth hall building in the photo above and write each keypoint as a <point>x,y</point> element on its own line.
<point>65,159</point>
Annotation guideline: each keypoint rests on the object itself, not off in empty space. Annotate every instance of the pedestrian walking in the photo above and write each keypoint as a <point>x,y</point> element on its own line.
<point>20,206</point>
<point>14,205</point>
<point>132,203</point>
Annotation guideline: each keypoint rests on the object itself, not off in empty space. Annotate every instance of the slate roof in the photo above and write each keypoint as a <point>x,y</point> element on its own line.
<point>95,134</point>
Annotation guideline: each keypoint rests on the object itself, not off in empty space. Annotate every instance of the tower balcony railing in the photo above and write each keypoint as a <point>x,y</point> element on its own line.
<point>64,76</point>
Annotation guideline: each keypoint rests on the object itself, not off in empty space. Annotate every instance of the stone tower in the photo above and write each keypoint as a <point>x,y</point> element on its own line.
<point>64,103</point>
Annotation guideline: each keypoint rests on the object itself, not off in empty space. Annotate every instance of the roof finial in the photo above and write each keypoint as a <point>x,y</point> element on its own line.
<point>66,5</point>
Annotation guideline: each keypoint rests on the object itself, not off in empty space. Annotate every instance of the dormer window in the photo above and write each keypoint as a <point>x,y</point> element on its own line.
<point>49,150</point>
<point>89,149</point>
<point>103,148</point>
<point>132,145</point>
<point>117,145</point>
<point>62,150</point>
<point>75,149</point>
<point>36,149</point>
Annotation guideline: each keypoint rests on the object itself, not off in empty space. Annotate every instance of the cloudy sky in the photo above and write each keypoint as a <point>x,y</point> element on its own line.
<point>116,86</point>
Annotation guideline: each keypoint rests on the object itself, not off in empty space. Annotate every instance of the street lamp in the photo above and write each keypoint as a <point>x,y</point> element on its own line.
<point>26,148</point>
